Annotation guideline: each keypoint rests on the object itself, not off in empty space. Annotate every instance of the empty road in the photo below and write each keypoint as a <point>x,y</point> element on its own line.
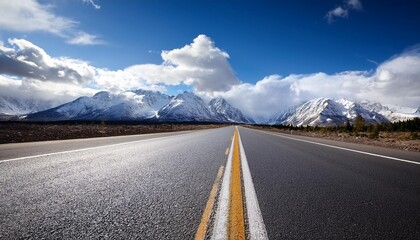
<point>159,186</point>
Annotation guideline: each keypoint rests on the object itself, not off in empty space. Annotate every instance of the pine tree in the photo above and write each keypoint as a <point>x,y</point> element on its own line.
<point>359,124</point>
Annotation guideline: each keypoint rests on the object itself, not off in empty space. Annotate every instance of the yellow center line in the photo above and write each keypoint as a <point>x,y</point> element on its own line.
<point>236,225</point>
<point>227,151</point>
<point>202,228</point>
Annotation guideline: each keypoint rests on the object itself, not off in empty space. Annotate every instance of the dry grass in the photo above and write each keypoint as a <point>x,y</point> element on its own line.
<point>408,141</point>
<point>13,132</point>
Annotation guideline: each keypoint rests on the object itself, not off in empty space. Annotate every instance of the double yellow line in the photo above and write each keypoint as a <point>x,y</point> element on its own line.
<point>236,226</point>
<point>236,222</point>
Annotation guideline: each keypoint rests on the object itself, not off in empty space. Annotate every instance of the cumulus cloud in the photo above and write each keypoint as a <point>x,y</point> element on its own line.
<point>24,59</point>
<point>200,65</point>
<point>343,10</point>
<point>203,65</point>
<point>31,16</point>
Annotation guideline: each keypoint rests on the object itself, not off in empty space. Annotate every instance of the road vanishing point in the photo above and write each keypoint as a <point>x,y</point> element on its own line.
<point>224,183</point>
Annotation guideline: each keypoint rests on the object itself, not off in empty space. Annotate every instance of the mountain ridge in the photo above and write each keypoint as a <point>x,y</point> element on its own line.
<point>154,106</point>
<point>143,105</point>
<point>327,112</point>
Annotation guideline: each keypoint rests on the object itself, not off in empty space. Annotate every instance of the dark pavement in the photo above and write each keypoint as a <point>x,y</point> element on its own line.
<point>156,187</point>
<point>307,191</point>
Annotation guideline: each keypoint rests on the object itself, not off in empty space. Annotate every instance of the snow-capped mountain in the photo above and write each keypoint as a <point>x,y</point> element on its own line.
<point>129,105</point>
<point>327,112</point>
<point>13,106</point>
<point>143,105</point>
<point>392,113</point>
<point>226,112</point>
<point>186,107</point>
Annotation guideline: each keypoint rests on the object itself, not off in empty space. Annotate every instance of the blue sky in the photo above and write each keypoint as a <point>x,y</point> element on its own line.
<point>273,40</point>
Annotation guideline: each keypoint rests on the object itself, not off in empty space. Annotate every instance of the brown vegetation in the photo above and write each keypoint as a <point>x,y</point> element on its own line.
<point>13,132</point>
<point>409,141</point>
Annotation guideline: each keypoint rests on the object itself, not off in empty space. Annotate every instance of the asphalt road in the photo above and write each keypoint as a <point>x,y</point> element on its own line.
<point>310,191</point>
<point>156,187</point>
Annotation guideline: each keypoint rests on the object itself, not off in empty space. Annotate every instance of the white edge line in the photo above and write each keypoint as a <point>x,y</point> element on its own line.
<point>257,228</point>
<point>346,149</point>
<point>221,218</point>
<point>79,150</point>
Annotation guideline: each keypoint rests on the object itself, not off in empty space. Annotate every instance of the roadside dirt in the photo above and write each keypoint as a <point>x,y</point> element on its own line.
<point>14,132</point>
<point>399,140</point>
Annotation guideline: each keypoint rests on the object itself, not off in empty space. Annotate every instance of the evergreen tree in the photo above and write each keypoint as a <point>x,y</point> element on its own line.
<point>359,124</point>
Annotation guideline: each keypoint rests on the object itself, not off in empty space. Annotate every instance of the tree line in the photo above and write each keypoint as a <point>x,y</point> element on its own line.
<point>361,126</point>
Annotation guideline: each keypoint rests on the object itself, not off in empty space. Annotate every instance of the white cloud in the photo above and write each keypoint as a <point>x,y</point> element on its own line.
<point>354,4</point>
<point>91,2</point>
<point>83,38</point>
<point>53,92</point>
<point>199,64</point>
<point>337,12</point>
<point>202,65</point>
<point>343,10</point>
<point>31,16</point>
<point>24,59</point>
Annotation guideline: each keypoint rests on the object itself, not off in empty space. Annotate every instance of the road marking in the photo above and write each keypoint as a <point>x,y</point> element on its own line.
<point>257,230</point>
<point>236,226</point>
<point>229,219</point>
<point>346,149</point>
<point>221,217</point>
<point>227,151</point>
<point>202,228</point>
<point>81,149</point>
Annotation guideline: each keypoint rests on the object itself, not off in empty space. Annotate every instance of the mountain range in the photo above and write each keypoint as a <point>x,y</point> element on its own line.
<point>327,112</point>
<point>153,106</point>
<point>142,105</point>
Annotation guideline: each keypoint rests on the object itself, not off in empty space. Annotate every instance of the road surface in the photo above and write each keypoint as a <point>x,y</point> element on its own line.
<point>158,186</point>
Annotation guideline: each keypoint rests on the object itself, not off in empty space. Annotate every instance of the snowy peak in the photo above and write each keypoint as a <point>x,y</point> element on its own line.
<point>327,112</point>
<point>226,112</point>
<point>150,99</point>
<point>14,106</point>
<point>393,113</point>
<point>319,111</point>
<point>186,107</point>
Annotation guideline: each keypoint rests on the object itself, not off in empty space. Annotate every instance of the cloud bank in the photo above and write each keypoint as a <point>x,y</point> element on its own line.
<point>200,65</point>
<point>395,81</point>
<point>27,69</point>
<point>31,16</point>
